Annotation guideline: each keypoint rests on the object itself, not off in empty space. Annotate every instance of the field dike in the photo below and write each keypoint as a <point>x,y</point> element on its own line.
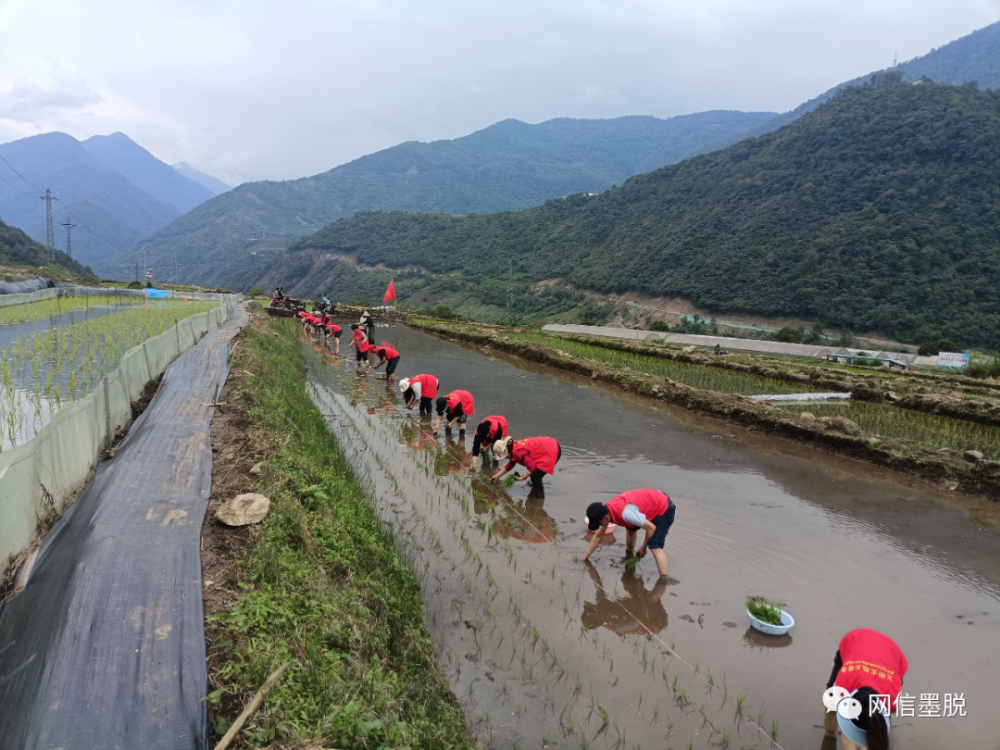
<point>320,582</point>
<point>946,469</point>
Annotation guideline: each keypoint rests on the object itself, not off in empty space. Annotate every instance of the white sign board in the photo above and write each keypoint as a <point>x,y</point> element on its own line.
<point>953,361</point>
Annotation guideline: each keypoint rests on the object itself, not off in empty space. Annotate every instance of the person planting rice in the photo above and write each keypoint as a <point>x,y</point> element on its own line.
<point>539,455</point>
<point>422,389</point>
<point>387,354</point>
<point>650,510</point>
<point>333,332</point>
<point>457,406</point>
<point>360,343</point>
<point>488,432</point>
<point>868,668</point>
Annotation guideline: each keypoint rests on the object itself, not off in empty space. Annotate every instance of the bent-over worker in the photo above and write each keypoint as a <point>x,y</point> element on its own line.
<point>488,432</point>
<point>650,510</point>
<point>539,455</point>
<point>390,355</point>
<point>868,665</point>
<point>422,389</point>
<point>457,406</point>
<point>333,332</point>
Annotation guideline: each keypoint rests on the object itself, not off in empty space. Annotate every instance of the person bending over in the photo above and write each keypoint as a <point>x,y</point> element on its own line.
<point>539,455</point>
<point>650,510</point>
<point>457,406</point>
<point>390,355</point>
<point>333,332</point>
<point>868,667</point>
<point>488,432</point>
<point>422,389</point>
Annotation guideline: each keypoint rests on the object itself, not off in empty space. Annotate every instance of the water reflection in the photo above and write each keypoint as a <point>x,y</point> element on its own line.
<point>637,612</point>
<point>757,640</point>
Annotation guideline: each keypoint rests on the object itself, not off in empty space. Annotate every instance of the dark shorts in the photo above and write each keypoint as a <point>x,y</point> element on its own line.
<point>662,524</point>
<point>362,356</point>
<point>337,334</point>
<point>390,366</point>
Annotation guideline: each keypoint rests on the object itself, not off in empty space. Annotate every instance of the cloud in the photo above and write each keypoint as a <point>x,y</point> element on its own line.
<point>31,102</point>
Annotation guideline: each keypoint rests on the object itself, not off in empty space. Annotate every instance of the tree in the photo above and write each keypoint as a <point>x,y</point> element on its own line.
<point>659,325</point>
<point>932,348</point>
<point>255,291</point>
<point>788,335</point>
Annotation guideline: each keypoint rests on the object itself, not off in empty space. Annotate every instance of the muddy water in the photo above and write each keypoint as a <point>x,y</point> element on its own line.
<point>543,649</point>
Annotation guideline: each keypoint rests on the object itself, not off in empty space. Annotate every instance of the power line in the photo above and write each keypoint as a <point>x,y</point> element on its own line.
<point>18,173</point>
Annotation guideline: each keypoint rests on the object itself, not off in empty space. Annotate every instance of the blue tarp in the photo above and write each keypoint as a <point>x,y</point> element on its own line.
<point>157,294</point>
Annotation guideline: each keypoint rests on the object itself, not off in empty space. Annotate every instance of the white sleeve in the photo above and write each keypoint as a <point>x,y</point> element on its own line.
<point>633,517</point>
<point>417,389</point>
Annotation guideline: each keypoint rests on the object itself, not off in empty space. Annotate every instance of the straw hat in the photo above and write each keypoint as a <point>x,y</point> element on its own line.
<point>500,449</point>
<point>404,385</point>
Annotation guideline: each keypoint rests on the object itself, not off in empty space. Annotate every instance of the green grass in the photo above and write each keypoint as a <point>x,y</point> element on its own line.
<point>694,375</point>
<point>324,585</point>
<point>15,314</point>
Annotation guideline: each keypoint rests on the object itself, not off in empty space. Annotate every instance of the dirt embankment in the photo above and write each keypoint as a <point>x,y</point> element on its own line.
<point>837,434</point>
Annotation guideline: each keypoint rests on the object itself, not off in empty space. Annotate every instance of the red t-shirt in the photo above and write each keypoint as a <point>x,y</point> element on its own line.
<point>465,399</point>
<point>535,453</point>
<point>871,659</point>
<point>428,385</point>
<point>651,503</point>
<point>386,352</point>
<point>333,328</point>
<point>360,341</point>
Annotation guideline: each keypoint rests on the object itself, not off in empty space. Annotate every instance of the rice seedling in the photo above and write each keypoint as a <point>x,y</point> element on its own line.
<point>41,371</point>
<point>768,612</point>
<point>52,308</point>
<point>697,376</point>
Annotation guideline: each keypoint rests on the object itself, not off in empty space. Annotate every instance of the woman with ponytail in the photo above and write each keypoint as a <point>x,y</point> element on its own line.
<point>868,669</point>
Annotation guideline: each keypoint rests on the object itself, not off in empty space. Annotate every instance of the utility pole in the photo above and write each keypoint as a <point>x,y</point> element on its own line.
<point>50,238</point>
<point>69,239</point>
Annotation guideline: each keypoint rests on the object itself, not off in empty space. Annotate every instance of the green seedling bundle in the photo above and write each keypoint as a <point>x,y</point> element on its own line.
<point>765,611</point>
<point>44,370</point>
<point>49,308</point>
<point>696,376</point>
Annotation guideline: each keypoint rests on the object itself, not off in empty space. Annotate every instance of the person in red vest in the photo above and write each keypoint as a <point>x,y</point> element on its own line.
<point>422,389</point>
<point>457,406</point>
<point>333,332</point>
<point>385,354</point>
<point>539,455</point>
<point>488,432</point>
<point>868,667</point>
<point>650,510</point>
<point>360,343</point>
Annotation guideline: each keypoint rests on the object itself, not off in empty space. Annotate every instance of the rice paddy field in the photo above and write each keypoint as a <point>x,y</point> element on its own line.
<point>696,376</point>
<point>44,369</point>
<point>883,420</point>
<point>53,308</point>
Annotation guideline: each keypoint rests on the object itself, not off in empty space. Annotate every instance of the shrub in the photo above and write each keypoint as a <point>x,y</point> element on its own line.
<point>788,335</point>
<point>936,347</point>
<point>659,325</point>
<point>255,291</point>
<point>442,311</point>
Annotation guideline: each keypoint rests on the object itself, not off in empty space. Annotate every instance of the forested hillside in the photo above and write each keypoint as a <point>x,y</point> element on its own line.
<point>878,211</point>
<point>18,249</point>
<point>509,165</point>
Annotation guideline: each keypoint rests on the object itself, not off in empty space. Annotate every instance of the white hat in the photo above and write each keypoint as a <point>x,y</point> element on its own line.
<point>500,449</point>
<point>404,385</point>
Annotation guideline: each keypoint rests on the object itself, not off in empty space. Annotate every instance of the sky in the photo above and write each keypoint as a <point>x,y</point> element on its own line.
<point>247,90</point>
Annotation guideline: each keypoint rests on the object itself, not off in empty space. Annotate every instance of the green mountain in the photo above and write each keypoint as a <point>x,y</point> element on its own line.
<point>507,166</point>
<point>18,249</point>
<point>877,211</point>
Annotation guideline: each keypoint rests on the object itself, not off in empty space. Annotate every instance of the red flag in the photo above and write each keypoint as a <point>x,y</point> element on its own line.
<point>390,293</point>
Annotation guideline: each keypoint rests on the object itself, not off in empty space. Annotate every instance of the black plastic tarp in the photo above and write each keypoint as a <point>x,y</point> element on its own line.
<point>105,647</point>
<point>23,287</point>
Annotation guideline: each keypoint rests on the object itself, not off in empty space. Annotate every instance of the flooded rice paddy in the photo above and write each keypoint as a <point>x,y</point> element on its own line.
<point>546,651</point>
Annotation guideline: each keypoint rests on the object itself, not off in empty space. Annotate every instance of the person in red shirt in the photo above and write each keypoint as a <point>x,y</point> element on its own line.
<point>333,332</point>
<point>420,388</point>
<point>360,344</point>
<point>539,455</point>
<point>867,664</point>
<point>385,354</point>
<point>488,432</point>
<point>457,406</point>
<point>650,510</point>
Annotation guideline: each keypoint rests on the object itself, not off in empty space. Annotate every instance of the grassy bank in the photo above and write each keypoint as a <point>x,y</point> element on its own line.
<point>319,582</point>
